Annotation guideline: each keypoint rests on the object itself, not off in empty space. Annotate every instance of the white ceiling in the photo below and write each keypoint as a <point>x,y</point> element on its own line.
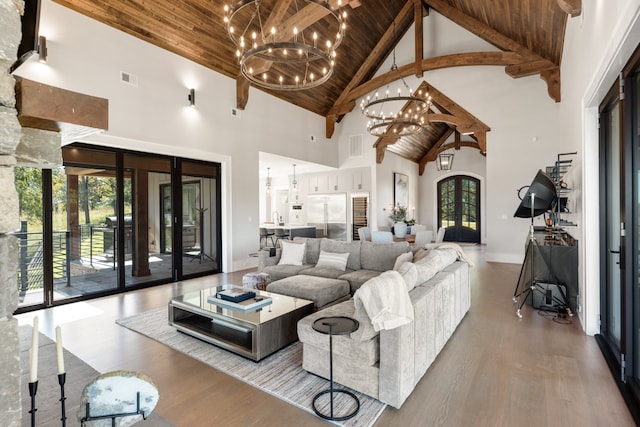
<point>283,166</point>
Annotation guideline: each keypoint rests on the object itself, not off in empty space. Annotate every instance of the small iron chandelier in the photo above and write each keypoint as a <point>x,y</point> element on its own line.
<point>444,162</point>
<point>294,186</point>
<point>268,183</point>
<point>286,55</point>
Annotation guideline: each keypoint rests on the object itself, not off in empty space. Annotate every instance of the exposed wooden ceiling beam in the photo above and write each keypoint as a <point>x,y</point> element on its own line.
<point>418,19</point>
<point>344,105</point>
<point>481,30</point>
<point>429,64</point>
<point>572,7</point>
<point>552,78</point>
<point>535,63</point>
<point>449,112</point>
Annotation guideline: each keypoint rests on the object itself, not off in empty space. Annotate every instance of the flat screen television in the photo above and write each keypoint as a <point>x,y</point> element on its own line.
<point>545,197</point>
<point>30,28</point>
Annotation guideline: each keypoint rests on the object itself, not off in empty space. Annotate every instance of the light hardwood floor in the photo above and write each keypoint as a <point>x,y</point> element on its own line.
<point>496,370</point>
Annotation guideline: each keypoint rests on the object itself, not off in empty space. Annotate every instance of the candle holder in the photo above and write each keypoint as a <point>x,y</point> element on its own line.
<point>62,378</point>
<point>33,389</point>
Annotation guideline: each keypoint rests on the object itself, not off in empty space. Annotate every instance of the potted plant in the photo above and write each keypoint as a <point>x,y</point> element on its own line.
<point>398,217</point>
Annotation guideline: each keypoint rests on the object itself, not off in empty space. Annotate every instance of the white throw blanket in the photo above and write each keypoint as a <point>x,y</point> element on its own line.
<point>449,245</point>
<point>386,300</point>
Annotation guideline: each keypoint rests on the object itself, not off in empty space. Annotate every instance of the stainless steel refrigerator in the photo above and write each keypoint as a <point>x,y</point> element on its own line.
<point>328,213</point>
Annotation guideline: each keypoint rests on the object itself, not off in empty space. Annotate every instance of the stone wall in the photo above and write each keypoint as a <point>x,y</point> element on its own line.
<point>46,152</point>
<point>10,35</point>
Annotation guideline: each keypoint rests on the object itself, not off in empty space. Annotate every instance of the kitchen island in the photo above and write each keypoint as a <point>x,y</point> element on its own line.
<point>293,230</point>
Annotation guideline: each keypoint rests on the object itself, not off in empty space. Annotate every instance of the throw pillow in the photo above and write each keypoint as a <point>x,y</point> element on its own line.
<point>402,258</point>
<point>292,253</point>
<point>333,260</point>
<point>409,273</point>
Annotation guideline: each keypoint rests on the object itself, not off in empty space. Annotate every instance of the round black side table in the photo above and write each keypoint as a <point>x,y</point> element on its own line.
<point>336,325</point>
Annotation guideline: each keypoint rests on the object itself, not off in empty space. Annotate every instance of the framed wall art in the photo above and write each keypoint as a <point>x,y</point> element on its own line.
<point>400,189</point>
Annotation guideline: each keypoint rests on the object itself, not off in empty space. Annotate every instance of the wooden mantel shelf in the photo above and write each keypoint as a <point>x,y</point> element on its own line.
<point>45,107</point>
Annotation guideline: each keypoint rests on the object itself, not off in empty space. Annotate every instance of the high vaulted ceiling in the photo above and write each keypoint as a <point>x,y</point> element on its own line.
<point>528,33</point>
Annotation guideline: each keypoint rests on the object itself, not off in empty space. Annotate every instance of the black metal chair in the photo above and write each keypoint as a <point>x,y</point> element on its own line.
<point>280,234</point>
<point>266,234</point>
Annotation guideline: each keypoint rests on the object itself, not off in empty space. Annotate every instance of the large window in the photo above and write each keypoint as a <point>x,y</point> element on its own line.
<point>103,223</point>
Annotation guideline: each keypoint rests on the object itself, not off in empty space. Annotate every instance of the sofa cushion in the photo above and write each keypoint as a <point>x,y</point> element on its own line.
<point>340,246</point>
<point>333,260</point>
<point>277,272</point>
<point>331,273</point>
<point>292,253</point>
<point>358,277</point>
<point>321,290</point>
<point>312,250</point>
<point>381,256</point>
<point>365,352</point>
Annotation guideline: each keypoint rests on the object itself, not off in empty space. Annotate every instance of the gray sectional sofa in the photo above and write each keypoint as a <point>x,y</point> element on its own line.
<point>387,365</point>
<point>324,285</point>
<point>366,260</point>
<point>384,364</point>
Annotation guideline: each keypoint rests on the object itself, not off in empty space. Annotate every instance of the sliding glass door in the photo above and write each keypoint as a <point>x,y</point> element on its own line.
<point>612,219</point>
<point>107,221</point>
<point>200,218</point>
<point>619,336</point>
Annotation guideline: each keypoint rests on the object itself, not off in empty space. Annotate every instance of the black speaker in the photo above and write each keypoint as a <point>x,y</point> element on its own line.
<point>548,296</point>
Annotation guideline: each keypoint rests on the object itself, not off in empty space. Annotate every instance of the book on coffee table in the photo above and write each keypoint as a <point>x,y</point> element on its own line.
<point>235,294</point>
<point>246,305</point>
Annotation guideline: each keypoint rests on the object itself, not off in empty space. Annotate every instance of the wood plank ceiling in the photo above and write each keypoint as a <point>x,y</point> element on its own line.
<point>529,34</point>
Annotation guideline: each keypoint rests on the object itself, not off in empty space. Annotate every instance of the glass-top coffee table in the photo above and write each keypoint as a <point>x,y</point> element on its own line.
<point>254,334</point>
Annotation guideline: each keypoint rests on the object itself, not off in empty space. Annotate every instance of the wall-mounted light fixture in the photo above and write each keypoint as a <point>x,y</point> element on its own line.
<point>192,97</point>
<point>42,49</point>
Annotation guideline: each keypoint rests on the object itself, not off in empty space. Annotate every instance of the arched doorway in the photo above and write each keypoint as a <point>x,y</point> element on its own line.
<point>459,208</point>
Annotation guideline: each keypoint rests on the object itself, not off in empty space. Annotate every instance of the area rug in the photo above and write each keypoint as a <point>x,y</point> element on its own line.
<point>280,374</point>
<point>79,374</point>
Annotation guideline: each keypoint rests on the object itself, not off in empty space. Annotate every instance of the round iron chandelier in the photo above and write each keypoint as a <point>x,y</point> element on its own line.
<point>283,49</point>
<point>394,116</point>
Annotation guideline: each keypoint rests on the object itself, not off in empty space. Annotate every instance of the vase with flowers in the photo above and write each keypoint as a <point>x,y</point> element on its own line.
<point>398,217</point>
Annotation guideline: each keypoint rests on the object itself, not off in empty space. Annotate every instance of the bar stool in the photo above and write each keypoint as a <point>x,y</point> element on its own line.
<point>264,234</point>
<point>280,234</point>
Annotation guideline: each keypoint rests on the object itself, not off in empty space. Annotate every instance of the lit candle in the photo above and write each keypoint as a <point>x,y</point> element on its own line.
<point>59,350</point>
<point>33,358</point>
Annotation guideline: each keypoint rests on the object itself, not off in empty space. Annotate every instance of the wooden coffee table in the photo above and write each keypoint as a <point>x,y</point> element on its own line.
<point>252,334</point>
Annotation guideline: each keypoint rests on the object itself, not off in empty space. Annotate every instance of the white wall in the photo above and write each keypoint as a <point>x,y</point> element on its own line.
<point>86,56</point>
